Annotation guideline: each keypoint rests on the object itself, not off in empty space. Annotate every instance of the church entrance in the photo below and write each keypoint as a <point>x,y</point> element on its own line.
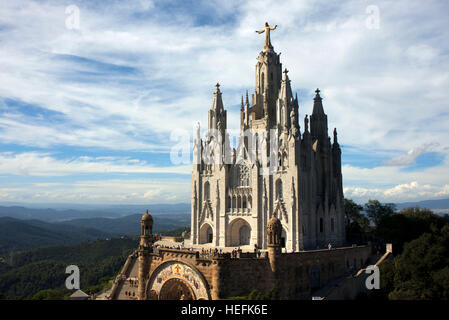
<point>244,235</point>
<point>206,234</point>
<point>239,233</point>
<point>176,289</point>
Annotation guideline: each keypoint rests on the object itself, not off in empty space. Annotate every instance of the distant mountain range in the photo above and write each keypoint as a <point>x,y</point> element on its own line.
<point>438,206</point>
<point>18,234</point>
<point>24,228</point>
<point>130,225</point>
<point>105,211</point>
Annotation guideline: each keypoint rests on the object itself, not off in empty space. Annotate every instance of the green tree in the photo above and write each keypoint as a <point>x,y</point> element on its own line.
<point>421,272</point>
<point>377,211</point>
<point>407,225</point>
<point>354,219</point>
<point>48,294</point>
<point>356,223</point>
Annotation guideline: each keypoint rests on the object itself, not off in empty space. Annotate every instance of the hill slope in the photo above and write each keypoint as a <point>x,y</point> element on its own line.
<point>23,274</point>
<point>18,234</point>
<point>130,225</point>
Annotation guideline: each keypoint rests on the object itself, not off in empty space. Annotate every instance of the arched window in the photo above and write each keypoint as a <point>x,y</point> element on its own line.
<point>279,189</point>
<point>206,191</point>
<point>263,82</point>
<point>321,225</point>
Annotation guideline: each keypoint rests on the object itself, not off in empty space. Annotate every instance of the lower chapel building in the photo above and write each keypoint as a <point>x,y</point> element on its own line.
<point>280,189</point>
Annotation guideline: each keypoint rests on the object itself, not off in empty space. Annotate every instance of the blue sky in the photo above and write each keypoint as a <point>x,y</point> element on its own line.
<point>89,111</point>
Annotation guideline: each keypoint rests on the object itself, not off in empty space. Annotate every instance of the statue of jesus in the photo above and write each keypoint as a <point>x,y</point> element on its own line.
<point>267,29</point>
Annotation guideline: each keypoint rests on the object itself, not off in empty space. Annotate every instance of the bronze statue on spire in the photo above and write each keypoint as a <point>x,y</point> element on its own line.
<point>267,30</point>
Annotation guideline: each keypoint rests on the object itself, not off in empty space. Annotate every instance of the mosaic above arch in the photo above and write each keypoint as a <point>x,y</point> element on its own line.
<point>179,270</point>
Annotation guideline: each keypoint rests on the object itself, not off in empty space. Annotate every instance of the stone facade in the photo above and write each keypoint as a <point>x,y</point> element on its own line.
<point>276,170</point>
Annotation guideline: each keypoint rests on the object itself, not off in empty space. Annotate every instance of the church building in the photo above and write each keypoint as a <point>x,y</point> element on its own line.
<point>278,169</point>
<point>281,187</point>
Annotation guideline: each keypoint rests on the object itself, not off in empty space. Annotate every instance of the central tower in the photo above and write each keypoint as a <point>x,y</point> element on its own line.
<point>268,82</point>
<point>274,171</point>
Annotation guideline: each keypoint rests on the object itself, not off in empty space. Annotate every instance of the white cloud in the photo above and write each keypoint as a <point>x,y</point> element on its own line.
<point>135,191</point>
<point>383,89</point>
<point>42,164</point>
<point>411,155</point>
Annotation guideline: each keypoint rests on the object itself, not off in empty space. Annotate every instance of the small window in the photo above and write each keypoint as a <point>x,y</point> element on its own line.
<point>206,191</point>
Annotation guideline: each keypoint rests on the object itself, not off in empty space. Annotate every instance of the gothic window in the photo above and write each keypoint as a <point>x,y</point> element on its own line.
<point>229,202</point>
<point>250,200</point>
<point>278,189</point>
<point>244,202</point>
<point>239,202</point>
<point>281,120</point>
<point>263,83</point>
<point>321,225</point>
<point>206,191</point>
<point>243,179</point>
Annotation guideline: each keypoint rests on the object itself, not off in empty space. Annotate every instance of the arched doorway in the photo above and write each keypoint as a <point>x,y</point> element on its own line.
<point>244,234</point>
<point>176,289</point>
<point>239,233</point>
<point>206,234</point>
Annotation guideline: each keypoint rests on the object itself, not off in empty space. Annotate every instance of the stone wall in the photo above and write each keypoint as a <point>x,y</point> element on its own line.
<point>297,275</point>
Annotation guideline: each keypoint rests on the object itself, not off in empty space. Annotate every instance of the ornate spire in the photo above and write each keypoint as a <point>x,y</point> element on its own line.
<point>318,119</point>
<point>318,103</point>
<point>217,113</point>
<point>217,105</point>
<point>335,136</point>
<point>247,108</point>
